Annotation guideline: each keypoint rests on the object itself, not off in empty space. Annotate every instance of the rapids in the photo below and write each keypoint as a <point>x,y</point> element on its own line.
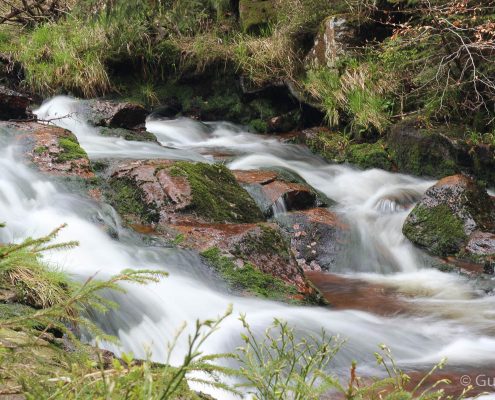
<point>448,316</point>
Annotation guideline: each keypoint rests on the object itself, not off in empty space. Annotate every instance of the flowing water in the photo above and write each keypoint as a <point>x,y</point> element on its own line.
<point>448,316</point>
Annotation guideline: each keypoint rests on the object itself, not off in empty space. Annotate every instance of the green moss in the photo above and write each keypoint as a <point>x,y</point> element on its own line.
<point>71,150</point>
<point>437,229</point>
<point>40,150</point>
<point>248,278</point>
<point>422,152</point>
<point>128,200</point>
<point>336,147</point>
<point>369,155</point>
<point>269,242</point>
<point>216,195</point>
<point>178,239</point>
<point>331,146</point>
<point>258,125</point>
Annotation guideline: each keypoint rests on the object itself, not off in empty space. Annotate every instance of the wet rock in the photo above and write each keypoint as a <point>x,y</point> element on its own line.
<point>255,15</point>
<point>170,192</point>
<point>421,151</point>
<point>13,105</point>
<point>240,252</point>
<point>279,191</point>
<point>317,236</point>
<point>116,115</point>
<point>140,134</point>
<point>336,148</point>
<point>334,39</point>
<point>455,217</point>
<point>53,150</point>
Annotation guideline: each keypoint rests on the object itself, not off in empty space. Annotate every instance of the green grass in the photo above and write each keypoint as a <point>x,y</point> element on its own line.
<point>65,56</point>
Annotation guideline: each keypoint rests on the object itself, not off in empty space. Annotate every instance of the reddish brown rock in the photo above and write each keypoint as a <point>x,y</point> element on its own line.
<point>249,177</point>
<point>262,245</point>
<point>274,192</point>
<point>481,243</point>
<point>318,237</point>
<point>53,150</point>
<point>179,192</point>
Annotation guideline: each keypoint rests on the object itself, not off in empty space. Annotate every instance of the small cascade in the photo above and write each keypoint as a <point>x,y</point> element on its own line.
<point>279,207</point>
<point>452,319</point>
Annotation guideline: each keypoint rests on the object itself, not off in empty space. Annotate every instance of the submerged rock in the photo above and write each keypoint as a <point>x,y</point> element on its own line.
<point>13,105</point>
<point>455,217</point>
<point>318,237</point>
<point>116,115</point>
<point>170,192</point>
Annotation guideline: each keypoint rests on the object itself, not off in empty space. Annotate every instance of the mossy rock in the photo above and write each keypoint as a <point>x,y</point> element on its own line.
<point>161,191</point>
<point>369,155</point>
<point>70,149</point>
<point>256,15</point>
<point>248,278</point>
<point>337,148</point>
<point>436,229</point>
<point>216,195</point>
<point>128,199</point>
<point>455,217</point>
<point>128,134</point>
<point>422,152</point>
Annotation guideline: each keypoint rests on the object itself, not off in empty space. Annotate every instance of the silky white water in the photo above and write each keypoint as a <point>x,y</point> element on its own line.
<point>452,318</point>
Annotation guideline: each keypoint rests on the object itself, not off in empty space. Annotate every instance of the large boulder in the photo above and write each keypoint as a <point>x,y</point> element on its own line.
<point>254,259</point>
<point>13,105</point>
<point>333,40</point>
<point>318,237</point>
<point>455,217</point>
<point>421,151</point>
<point>169,192</point>
<point>115,114</point>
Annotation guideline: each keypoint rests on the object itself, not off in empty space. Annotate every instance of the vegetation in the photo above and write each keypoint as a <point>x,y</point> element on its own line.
<point>437,229</point>
<point>248,278</point>
<point>278,365</point>
<point>71,150</point>
<point>216,195</point>
<point>430,58</point>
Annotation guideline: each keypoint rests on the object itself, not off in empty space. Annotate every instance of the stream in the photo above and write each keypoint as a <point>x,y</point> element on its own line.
<point>447,316</point>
